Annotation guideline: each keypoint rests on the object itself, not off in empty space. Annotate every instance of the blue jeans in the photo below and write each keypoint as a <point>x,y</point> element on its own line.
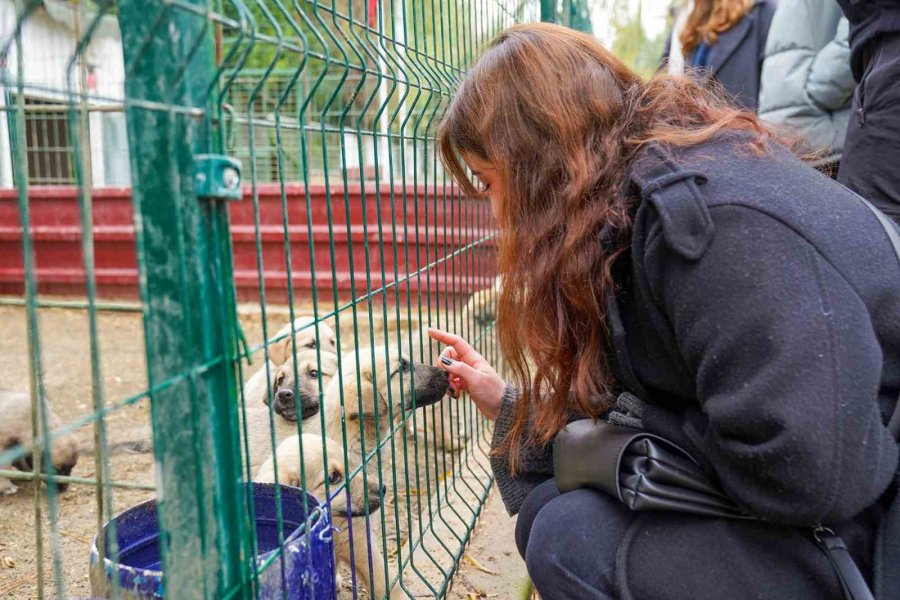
<point>569,542</point>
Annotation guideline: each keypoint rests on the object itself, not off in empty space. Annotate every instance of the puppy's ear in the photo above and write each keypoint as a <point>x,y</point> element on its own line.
<point>280,351</point>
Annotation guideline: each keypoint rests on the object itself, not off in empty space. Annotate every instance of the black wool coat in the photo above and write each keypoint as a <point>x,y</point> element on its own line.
<point>761,313</point>
<point>869,20</point>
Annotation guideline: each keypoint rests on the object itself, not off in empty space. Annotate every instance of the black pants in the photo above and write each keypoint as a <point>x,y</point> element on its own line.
<point>569,542</point>
<point>870,165</point>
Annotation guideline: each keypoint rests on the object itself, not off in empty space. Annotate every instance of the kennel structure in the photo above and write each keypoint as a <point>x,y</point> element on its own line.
<point>183,161</point>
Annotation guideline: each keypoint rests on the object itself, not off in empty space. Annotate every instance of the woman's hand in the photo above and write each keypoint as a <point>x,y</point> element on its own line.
<point>470,372</point>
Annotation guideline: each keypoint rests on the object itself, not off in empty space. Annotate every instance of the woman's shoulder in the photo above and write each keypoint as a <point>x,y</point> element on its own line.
<point>685,191</point>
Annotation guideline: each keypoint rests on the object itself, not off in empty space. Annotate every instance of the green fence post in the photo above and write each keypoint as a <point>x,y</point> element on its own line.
<point>188,295</point>
<point>548,11</point>
<point>579,16</point>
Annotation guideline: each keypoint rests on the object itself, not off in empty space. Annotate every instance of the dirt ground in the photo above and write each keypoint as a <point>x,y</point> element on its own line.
<point>490,567</point>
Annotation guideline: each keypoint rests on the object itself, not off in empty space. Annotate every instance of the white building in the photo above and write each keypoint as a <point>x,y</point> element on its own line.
<point>53,81</point>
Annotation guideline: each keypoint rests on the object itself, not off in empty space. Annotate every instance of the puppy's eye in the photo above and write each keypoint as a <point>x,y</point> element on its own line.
<point>313,374</point>
<point>312,344</point>
<point>279,379</point>
<point>335,478</point>
<point>353,417</point>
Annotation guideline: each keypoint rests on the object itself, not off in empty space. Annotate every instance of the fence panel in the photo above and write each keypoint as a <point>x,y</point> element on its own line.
<point>120,124</point>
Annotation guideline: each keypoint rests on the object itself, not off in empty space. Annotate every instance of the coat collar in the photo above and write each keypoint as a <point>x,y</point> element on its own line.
<point>729,40</point>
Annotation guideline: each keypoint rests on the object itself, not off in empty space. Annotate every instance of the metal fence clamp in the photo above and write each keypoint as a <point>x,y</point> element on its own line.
<point>217,176</point>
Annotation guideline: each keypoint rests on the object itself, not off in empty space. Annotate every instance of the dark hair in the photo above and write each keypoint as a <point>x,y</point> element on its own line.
<point>561,119</point>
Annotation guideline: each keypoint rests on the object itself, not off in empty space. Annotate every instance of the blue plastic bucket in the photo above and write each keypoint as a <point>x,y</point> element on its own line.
<point>308,556</point>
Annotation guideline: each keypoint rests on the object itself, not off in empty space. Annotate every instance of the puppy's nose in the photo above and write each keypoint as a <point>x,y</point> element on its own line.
<point>285,396</point>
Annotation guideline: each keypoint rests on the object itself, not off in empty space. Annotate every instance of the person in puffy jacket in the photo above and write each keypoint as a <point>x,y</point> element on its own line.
<point>871,163</point>
<point>806,84</point>
<point>723,40</point>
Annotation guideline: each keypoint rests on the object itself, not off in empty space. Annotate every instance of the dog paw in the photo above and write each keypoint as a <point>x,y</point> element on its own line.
<point>8,488</point>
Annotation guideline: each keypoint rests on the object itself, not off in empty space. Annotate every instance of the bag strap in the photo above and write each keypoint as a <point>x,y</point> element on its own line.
<point>851,580</point>
<point>893,234</point>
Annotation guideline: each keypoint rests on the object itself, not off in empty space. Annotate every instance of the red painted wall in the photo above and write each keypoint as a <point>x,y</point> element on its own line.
<point>445,225</point>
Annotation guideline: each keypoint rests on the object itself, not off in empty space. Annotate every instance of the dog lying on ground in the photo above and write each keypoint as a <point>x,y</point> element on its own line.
<point>15,429</point>
<point>282,351</point>
<point>285,404</point>
<point>315,473</point>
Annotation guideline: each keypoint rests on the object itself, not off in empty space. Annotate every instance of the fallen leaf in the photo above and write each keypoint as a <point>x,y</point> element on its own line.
<point>9,562</point>
<point>478,565</point>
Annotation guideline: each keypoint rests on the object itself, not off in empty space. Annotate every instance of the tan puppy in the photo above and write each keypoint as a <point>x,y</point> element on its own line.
<point>306,382</point>
<point>381,386</point>
<point>281,350</point>
<point>15,429</point>
<point>384,384</point>
<point>317,468</point>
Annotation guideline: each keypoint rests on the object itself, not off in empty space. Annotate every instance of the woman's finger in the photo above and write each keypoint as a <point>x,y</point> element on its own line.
<point>450,352</point>
<point>451,339</point>
<point>466,374</point>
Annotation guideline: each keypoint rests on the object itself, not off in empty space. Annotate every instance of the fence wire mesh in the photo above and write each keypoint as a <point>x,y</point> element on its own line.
<point>143,310</point>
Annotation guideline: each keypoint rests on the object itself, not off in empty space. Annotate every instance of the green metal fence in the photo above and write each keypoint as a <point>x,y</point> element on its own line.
<point>304,93</point>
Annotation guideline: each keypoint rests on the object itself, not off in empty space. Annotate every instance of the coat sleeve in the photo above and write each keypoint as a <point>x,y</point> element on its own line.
<point>536,461</point>
<point>830,83</point>
<point>787,369</point>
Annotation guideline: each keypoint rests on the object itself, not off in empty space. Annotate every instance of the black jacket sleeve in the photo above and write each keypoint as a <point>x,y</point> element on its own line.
<point>787,369</point>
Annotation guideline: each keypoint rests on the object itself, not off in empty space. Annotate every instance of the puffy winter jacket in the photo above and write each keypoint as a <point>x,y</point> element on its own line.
<point>806,84</point>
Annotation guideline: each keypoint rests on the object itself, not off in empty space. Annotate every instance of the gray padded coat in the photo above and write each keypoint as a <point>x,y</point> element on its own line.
<point>806,82</point>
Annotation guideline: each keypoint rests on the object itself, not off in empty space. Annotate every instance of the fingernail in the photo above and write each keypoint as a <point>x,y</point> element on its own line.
<point>446,361</point>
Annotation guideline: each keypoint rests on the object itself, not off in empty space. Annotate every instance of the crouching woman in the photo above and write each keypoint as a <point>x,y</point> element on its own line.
<point>654,239</point>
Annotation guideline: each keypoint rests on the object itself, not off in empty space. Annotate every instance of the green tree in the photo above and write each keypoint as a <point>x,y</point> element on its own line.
<point>631,44</point>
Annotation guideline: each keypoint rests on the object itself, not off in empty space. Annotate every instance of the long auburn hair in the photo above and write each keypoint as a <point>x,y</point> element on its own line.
<point>710,18</point>
<point>561,119</point>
